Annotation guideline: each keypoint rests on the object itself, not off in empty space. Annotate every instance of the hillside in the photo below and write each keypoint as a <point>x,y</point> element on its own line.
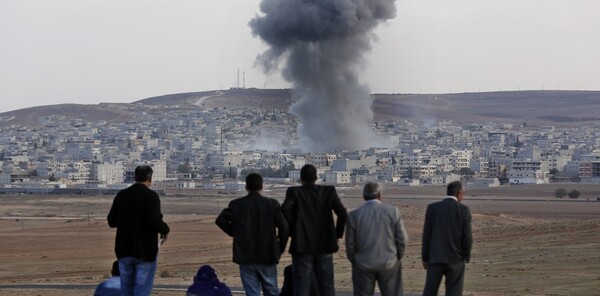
<point>558,108</point>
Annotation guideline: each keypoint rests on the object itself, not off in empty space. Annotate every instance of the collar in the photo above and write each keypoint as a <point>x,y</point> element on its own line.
<point>452,197</point>
<point>254,193</point>
<point>372,201</point>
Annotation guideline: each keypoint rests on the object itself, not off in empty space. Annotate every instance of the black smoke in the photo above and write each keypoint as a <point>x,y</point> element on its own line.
<point>322,45</point>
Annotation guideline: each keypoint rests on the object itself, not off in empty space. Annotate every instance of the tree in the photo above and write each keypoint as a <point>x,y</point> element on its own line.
<point>439,134</point>
<point>518,143</point>
<point>466,172</point>
<point>574,193</point>
<point>184,168</point>
<point>409,173</point>
<point>553,174</point>
<point>284,170</point>
<point>560,192</point>
<point>503,179</point>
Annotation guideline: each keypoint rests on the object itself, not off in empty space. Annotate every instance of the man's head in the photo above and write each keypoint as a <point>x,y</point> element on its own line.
<point>143,173</point>
<point>205,273</point>
<point>455,189</point>
<point>308,174</point>
<point>115,269</point>
<point>372,190</point>
<point>254,182</point>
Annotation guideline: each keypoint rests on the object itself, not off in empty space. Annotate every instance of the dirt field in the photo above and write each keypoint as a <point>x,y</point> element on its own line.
<point>526,241</point>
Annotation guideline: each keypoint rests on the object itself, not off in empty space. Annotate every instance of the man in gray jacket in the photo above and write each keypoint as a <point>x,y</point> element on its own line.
<point>375,243</point>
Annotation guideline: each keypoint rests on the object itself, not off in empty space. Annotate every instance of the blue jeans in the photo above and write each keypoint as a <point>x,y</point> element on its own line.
<point>256,275</point>
<point>304,266</point>
<point>137,276</point>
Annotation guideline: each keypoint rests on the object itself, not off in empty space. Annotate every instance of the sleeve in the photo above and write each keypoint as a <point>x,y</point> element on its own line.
<point>288,208</point>
<point>225,221</point>
<point>340,212</point>
<point>283,231</point>
<point>400,235</point>
<point>426,239</point>
<point>156,218</point>
<point>112,219</point>
<point>350,239</point>
<point>467,236</point>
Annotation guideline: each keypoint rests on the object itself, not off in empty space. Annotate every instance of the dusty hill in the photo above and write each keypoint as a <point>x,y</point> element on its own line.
<point>533,107</point>
<point>268,98</point>
<point>558,108</point>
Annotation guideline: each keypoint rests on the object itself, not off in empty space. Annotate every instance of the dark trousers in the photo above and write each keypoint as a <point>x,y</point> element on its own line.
<point>303,267</point>
<point>454,274</point>
<point>389,281</point>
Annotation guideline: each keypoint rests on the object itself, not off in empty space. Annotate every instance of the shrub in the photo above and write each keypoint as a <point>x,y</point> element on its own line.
<point>574,193</point>
<point>560,192</point>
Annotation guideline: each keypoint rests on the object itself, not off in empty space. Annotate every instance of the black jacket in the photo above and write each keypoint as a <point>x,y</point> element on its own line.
<point>308,210</point>
<point>258,228</point>
<point>135,213</point>
<point>447,236</point>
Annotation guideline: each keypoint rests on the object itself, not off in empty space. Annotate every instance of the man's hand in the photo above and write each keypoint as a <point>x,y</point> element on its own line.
<point>425,264</point>
<point>163,238</point>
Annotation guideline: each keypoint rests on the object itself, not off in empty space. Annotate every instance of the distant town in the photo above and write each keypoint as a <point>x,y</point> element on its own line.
<point>213,148</point>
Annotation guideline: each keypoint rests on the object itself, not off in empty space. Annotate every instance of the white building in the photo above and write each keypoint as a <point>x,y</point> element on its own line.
<point>462,158</point>
<point>108,173</point>
<point>527,177</point>
<point>235,186</point>
<point>337,177</point>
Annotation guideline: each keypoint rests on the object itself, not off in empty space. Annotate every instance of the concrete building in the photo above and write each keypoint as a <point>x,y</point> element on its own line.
<point>108,173</point>
<point>342,177</point>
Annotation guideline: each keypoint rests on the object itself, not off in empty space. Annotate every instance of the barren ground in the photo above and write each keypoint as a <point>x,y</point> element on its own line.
<point>526,241</point>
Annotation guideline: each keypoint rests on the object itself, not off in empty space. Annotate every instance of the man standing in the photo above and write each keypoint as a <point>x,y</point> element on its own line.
<point>375,243</point>
<point>308,211</point>
<point>259,233</point>
<point>136,214</point>
<point>447,242</point>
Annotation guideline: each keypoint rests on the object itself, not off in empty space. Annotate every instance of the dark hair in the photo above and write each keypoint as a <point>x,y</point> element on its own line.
<point>254,182</point>
<point>115,269</point>
<point>454,188</point>
<point>143,173</point>
<point>308,173</point>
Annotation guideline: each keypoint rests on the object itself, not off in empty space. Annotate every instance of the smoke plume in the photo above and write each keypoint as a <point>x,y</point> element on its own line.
<point>321,44</point>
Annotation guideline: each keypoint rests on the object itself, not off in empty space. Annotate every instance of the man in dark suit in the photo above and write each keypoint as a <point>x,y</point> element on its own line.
<point>135,213</point>
<point>259,233</point>
<point>308,210</point>
<point>447,242</point>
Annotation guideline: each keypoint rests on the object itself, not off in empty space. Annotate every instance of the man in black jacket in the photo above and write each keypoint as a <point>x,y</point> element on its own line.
<point>447,242</point>
<point>136,214</point>
<point>308,211</point>
<point>259,233</point>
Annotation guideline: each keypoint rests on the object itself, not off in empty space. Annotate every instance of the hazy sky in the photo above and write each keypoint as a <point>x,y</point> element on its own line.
<point>93,51</point>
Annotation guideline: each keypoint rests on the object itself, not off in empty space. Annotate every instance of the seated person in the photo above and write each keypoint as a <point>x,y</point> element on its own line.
<point>111,286</point>
<point>288,285</point>
<point>206,283</point>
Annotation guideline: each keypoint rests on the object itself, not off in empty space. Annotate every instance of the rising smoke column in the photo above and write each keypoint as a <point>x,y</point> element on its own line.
<point>322,43</point>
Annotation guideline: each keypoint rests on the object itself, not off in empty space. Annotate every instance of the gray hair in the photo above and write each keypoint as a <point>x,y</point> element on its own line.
<point>372,190</point>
